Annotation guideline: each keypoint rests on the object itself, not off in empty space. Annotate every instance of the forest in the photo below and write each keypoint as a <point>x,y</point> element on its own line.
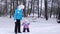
<point>45,8</point>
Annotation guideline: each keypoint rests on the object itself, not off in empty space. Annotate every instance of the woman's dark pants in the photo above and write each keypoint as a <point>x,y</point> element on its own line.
<point>17,26</point>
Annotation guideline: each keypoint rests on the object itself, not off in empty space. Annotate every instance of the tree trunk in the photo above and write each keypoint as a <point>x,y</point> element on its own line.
<point>10,8</point>
<point>46,10</point>
<point>31,5</point>
<point>24,11</point>
<point>51,9</point>
<point>33,8</point>
<point>6,7</point>
<point>58,11</point>
<point>41,8</point>
<point>13,8</point>
<point>38,9</point>
<point>17,2</point>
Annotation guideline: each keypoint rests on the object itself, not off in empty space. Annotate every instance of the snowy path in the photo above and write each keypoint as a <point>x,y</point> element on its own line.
<point>41,26</point>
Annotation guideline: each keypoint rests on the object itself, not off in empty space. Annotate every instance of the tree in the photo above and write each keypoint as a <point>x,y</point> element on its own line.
<point>31,5</point>
<point>13,7</point>
<point>38,9</point>
<point>58,11</point>
<point>46,10</point>
<point>17,2</point>
<point>51,8</point>
<point>10,8</point>
<point>41,8</point>
<point>24,11</point>
<point>6,6</point>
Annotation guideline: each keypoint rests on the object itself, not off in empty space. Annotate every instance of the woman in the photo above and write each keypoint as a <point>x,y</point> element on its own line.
<point>18,18</point>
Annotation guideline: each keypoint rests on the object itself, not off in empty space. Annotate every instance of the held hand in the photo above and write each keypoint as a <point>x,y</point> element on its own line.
<point>14,20</point>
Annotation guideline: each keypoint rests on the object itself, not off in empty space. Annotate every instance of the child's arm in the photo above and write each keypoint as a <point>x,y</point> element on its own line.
<point>22,23</point>
<point>28,23</point>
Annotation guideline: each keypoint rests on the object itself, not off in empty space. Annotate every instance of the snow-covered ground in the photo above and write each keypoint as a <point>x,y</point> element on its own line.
<point>37,26</point>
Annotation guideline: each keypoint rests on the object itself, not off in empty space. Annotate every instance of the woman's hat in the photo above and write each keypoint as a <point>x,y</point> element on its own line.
<point>21,6</point>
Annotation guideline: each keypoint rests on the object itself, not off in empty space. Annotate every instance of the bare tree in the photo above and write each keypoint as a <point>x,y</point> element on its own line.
<point>51,9</point>
<point>31,5</point>
<point>10,7</point>
<point>6,6</point>
<point>38,9</point>
<point>41,8</point>
<point>46,10</point>
<point>24,11</point>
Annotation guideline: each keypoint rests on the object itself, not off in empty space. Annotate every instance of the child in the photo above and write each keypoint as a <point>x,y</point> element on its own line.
<point>26,26</point>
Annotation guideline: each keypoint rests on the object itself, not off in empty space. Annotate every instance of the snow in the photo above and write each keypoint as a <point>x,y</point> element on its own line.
<point>37,26</point>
